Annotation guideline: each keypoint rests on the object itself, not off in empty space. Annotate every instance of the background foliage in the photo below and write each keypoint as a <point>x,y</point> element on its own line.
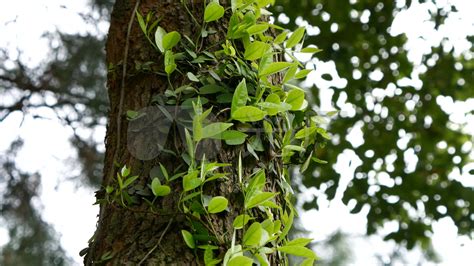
<point>400,117</point>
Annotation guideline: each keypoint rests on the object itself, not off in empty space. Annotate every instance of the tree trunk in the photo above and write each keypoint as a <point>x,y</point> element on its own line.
<point>135,235</point>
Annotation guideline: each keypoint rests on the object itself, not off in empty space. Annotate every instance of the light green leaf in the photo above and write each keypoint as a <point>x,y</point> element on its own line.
<point>295,38</point>
<point>302,73</point>
<point>239,99</point>
<point>171,39</point>
<point>323,133</point>
<point>294,148</point>
<point>257,28</point>
<point>129,180</point>
<point>305,132</point>
<point>256,184</point>
<point>217,204</point>
<point>241,220</point>
<point>253,234</point>
<point>188,238</point>
<point>161,191</point>
<point>233,137</point>
<point>191,181</point>
<point>214,129</point>
<point>310,50</point>
<point>124,172</point>
<point>256,50</point>
<point>248,114</point>
<point>240,261</point>
<point>295,98</point>
<point>259,199</point>
<point>274,68</point>
<point>159,34</point>
<point>298,251</point>
<point>192,77</point>
<point>302,241</point>
<point>281,37</point>
<point>213,11</point>
<point>319,160</point>
<point>141,22</point>
<point>305,165</point>
<point>170,65</point>
<point>307,262</point>
<point>290,74</point>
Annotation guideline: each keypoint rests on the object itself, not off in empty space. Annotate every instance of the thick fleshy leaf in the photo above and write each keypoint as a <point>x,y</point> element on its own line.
<point>295,98</point>
<point>256,50</point>
<point>241,220</point>
<point>239,99</point>
<point>171,39</point>
<point>274,68</point>
<point>217,204</point>
<point>248,114</point>
<point>253,234</point>
<point>188,238</point>
<point>295,38</point>
<point>240,261</point>
<point>213,11</point>
<point>159,34</point>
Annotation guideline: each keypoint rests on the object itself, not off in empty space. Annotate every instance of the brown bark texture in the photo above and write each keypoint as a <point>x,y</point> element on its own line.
<point>134,235</point>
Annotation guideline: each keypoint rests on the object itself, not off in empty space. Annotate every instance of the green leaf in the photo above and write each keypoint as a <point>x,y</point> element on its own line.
<point>298,251</point>
<point>213,11</point>
<point>302,73</point>
<point>253,235</point>
<point>256,184</point>
<point>274,68</point>
<point>290,74</point>
<point>191,181</point>
<point>124,172</point>
<point>281,37</point>
<point>159,34</point>
<point>240,261</point>
<point>305,132</point>
<point>188,238</point>
<point>217,204</point>
<point>259,198</point>
<point>171,39</point>
<point>161,191</point>
<point>170,65</point>
<point>248,114</point>
<point>257,28</point>
<point>239,99</point>
<point>241,220</point>
<point>210,89</point>
<point>141,22</point>
<point>256,50</point>
<point>307,262</point>
<point>310,50</point>
<point>302,241</point>
<point>233,137</point>
<point>214,129</point>
<point>129,180</point>
<point>192,77</point>
<point>295,98</point>
<point>294,148</point>
<point>319,160</point>
<point>295,38</point>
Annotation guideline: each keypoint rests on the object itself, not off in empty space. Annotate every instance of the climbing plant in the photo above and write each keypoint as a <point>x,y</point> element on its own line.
<point>236,89</point>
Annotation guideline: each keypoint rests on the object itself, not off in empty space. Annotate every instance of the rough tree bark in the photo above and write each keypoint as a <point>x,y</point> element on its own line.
<point>135,235</point>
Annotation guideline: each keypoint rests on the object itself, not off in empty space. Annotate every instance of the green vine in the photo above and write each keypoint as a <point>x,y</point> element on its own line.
<point>256,108</point>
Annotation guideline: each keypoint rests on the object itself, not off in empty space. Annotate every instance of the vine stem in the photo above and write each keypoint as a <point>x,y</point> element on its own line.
<point>122,90</point>
<point>157,244</point>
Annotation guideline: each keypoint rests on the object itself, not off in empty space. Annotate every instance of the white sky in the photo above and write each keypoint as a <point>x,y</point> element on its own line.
<point>69,208</point>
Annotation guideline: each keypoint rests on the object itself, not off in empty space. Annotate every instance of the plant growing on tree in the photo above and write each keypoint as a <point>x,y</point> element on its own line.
<point>237,91</point>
